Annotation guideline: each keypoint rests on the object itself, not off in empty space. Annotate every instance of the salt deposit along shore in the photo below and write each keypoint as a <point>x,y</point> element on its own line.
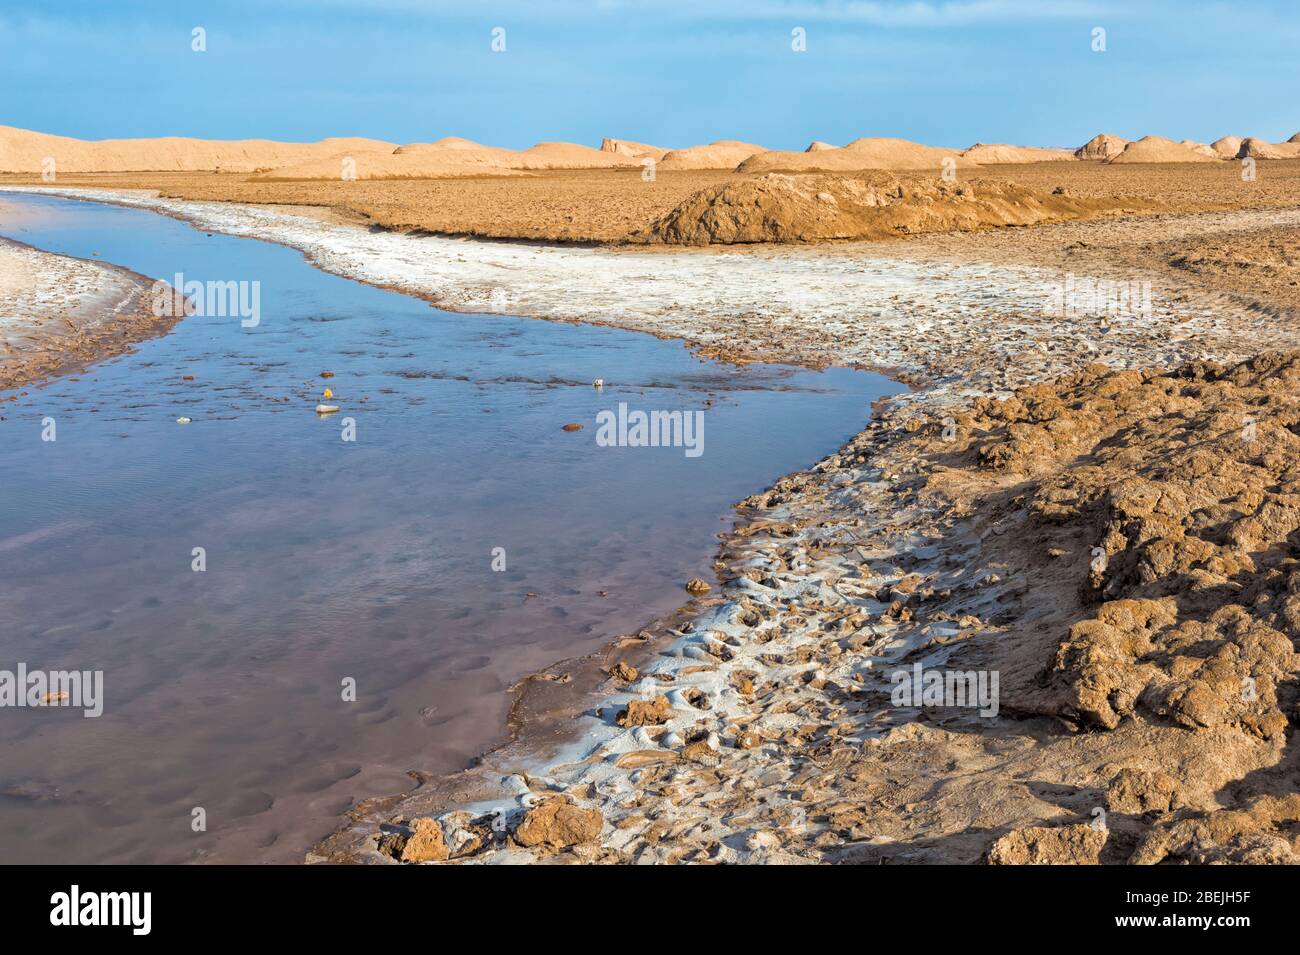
<point>954,533</point>
<point>58,312</point>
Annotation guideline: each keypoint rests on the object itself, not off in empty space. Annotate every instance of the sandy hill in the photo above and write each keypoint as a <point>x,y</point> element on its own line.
<point>22,150</point>
<point>569,156</point>
<point>453,156</point>
<point>861,154</point>
<point>1259,149</point>
<point>1151,149</point>
<point>626,147</point>
<point>723,154</point>
<point>1103,146</point>
<point>1226,147</point>
<point>1203,148</point>
<point>991,153</point>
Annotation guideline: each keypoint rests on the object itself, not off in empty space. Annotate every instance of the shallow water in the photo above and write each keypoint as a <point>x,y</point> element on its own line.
<point>329,560</point>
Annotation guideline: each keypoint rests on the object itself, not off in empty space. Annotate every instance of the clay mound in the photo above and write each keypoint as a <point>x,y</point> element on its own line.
<point>1181,652</point>
<point>626,147</point>
<point>992,153</point>
<point>1259,149</point>
<point>1156,149</point>
<point>1203,148</point>
<point>806,208</point>
<point>723,154</point>
<point>861,154</point>
<point>1226,147</point>
<point>817,146</point>
<point>24,151</point>
<point>1103,146</point>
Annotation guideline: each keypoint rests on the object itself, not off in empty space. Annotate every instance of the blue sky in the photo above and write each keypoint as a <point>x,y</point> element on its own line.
<point>669,72</point>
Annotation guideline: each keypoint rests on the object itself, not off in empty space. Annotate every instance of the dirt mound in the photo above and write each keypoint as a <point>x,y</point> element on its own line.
<point>1150,149</point>
<point>1103,146</point>
<point>779,207</point>
<point>1170,499</point>
<point>861,154</point>
<point>626,147</point>
<point>991,153</point>
<point>1226,147</point>
<point>1259,149</point>
<point>724,154</point>
<point>25,151</point>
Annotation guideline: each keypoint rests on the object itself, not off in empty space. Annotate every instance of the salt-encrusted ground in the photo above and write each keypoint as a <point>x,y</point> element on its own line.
<point>57,311</point>
<point>964,326</point>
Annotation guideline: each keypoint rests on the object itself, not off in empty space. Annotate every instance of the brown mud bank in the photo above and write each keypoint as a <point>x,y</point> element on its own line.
<point>1118,548</point>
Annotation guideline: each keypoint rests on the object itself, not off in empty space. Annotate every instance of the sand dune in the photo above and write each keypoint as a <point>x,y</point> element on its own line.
<point>1102,146</point>
<point>1256,148</point>
<point>991,153</point>
<point>1226,147</point>
<point>1158,149</point>
<point>25,151</point>
<point>1203,148</point>
<point>453,156</point>
<point>876,153</point>
<point>723,154</point>
<point>626,147</point>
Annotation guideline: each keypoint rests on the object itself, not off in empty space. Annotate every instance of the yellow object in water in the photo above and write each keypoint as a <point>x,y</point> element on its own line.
<point>328,394</point>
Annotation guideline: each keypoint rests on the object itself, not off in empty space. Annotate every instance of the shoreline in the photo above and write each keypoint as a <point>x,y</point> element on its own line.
<point>101,311</point>
<point>786,573</point>
<point>737,305</point>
